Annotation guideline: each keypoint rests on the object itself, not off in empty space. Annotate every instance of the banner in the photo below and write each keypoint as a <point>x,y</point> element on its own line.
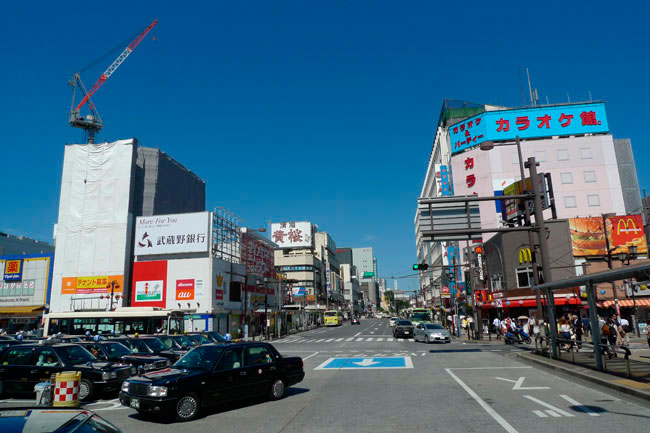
<point>625,231</point>
<point>171,234</point>
<point>94,284</point>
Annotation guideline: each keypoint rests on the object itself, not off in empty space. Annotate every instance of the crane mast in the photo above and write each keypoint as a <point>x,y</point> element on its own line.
<point>93,123</point>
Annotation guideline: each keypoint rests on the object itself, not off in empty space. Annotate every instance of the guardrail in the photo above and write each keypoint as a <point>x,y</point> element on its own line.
<point>582,353</point>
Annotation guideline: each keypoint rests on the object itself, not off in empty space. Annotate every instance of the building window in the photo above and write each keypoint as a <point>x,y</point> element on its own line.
<point>540,156</point>
<point>593,200</point>
<point>562,154</point>
<point>590,176</point>
<point>525,277</point>
<point>566,177</point>
<point>570,201</point>
<point>585,153</point>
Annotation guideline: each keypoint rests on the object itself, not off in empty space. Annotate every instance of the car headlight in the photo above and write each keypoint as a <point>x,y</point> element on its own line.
<point>125,386</point>
<point>157,391</point>
<point>109,375</point>
<point>148,366</point>
<point>168,363</point>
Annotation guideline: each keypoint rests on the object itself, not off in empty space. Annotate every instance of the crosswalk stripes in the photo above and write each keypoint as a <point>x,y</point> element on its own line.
<point>319,340</point>
<point>380,339</point>
<point>349,339</point>
<point>359,339</point>
<point>328,340</point>
<point>293,340</point>
<point>389,339</point>
<point>370,339</point>
<point>339,339</point>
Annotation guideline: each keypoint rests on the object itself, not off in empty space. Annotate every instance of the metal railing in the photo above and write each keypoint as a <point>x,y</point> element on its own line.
<point>582,353</point>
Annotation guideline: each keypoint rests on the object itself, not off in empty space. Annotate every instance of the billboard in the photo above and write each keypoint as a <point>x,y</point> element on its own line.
<point>13,270</point>
<point>533,122</point>
<point>512,209</point>
<point>185,290</point>
<point>149,284</point>
<point>172,234</point>
<point>33,288</point>
<point>91,284</point>
<point>292,234</point>
<point>257,255</point>
<point>625,231</point>
<point>589,236</point>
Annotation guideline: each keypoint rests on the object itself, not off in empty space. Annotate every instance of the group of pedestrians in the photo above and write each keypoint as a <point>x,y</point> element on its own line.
<point>528,324</point>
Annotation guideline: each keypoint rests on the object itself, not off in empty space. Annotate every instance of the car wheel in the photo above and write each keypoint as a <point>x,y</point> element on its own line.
<point>277,389</point>
<point>187,407</point>
<point>85,390</point>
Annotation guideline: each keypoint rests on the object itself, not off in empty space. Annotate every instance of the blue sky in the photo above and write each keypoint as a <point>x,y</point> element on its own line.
<point>302,110</point>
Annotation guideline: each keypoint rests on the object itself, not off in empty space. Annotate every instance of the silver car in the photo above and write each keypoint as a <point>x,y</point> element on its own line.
<point>430,332</point>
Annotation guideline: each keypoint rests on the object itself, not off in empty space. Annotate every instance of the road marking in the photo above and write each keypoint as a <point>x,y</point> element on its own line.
<point>423,354</point>
<point>389,339</point>
<point>339,339</point>
<point>579,405</point>
<point>358,333</point>
<point>410,339</point>
<point>349,339</point>
<point>484,405</point>
<point>520,382</point>
<point>313,354</point>
<point>540,414</point>
<point>328,340</point>
<point>380,339</point>
<point>553,413</point>
<point>370,339</point>
<point>495,350</point>
<point>359,339</point>
<point>366,363</point>
<point>319,340</point>
<point>483,368</point>
<point>550,406</point>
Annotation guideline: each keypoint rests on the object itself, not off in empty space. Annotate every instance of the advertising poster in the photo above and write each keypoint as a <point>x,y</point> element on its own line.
<point>171,234</point>
<point>292,234</point>
<point>185,290</point>
<point>626,231</point>
<point>587,236</point>
<point>149,284</point>
<point>147,291</point>
<point>91,285</point>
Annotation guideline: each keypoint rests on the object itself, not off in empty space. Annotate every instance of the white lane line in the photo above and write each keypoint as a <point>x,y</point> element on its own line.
<point>359,339</point>
<point>349,339</point>
<point>550,406</point>
<point>495,350</point>
<point>372,332</point>
<point>579,405</point>
<point>411,340</point>
<point>313,354</point>
<point>328,340</point>
<point>483,368</point>
<point>319,340</point>
<point>380,339</point>
<point>358,333</point>
<point>484,405</point>
<point>369,339</point>
<point>423,354</point>
<point>338,339</point>
<point>553,413</point>
<point>389,339</point>
<point>540,414</point>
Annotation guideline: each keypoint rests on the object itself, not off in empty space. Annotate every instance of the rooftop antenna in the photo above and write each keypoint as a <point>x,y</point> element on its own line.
<point>568,97</point>
<point>533,92</point>
<point>547,103</point>
<point>590,96</point>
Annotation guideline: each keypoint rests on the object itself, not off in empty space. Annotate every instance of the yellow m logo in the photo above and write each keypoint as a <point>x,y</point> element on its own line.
<point>628,226</point>
<point>525,256</point>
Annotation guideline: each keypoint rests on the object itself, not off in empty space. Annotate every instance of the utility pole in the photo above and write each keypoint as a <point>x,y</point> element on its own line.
<point>543,247</point>
<point>609,265</point>
<point>113,285</point>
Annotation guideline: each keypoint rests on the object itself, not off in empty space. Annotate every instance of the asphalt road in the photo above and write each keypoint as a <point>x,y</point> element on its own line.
<point>360,379</point>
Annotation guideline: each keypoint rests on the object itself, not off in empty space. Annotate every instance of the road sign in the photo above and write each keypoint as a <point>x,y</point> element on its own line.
<point>366,363</point>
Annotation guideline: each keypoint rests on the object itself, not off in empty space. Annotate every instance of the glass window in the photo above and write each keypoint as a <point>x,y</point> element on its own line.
<point>590,176</point>
<point>562,154</point>
<point>593,200</point>
<point>258,355</point>
<point>45,357</point>
<point>117,349</point>
<point>200,357</point>
<point>18,356</point>
<point>585,153</point>
<point>540,156</point>
<point>570,201</point>
<point>76,355</point>
<point>566,177</point>
<point>525,277</point>
<point>231,359</point>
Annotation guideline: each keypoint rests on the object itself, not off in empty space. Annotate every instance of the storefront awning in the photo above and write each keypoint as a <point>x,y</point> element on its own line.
<point>628,303</point>
<point>21,309</point>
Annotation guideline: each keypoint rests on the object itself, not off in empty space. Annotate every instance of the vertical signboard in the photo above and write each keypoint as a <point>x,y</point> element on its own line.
<point>149,284</point>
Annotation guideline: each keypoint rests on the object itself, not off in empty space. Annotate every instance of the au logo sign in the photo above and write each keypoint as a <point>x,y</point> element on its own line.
<point>185,290</point>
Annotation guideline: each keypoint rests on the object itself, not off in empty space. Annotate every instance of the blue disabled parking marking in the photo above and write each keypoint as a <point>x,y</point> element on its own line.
<point>366,363</point>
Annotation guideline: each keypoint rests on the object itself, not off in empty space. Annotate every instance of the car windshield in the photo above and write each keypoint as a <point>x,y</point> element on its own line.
<point>155,344</point>
<point>201,339</point>
<point>116,349</point>
<point>216,336</point>
<point>168,341</point>
<point>138,346</point>
<point>421,317</point>
<point>200,357</point>
<point>433,326</point>
<point>330,314</point>
<point>404,323</point>
<point>76,355</point>
<point>184,341</point>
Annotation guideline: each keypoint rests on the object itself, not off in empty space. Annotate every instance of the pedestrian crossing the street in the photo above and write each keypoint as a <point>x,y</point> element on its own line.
<point>341,340</point>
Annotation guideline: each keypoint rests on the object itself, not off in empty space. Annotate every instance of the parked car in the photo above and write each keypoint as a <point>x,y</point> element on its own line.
<point>148,346</point>
<point>8,342</point>
<point>403,328</point>
<point>53,420</point>
<point>355,321</point>
<point>430,332</point>
<point>23,366</point>
<point>214,336</point>
<point>117,352</point>
<point>199,339</point>
<point>393,321</point>
<point>211,374</point>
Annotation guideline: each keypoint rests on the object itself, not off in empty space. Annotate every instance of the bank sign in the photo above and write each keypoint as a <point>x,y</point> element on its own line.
<point>172,234</point>
<point>528,123</point>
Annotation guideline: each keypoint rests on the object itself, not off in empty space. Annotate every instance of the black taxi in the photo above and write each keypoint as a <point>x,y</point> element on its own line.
<point>211,374</point>
<point>117,352</point>
<point>24,365</point>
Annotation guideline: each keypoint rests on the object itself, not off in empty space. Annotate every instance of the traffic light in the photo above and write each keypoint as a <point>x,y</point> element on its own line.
<point>479,296</point>
<point>420,267</point>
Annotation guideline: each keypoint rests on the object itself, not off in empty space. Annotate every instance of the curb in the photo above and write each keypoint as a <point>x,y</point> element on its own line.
<point>607,380</point>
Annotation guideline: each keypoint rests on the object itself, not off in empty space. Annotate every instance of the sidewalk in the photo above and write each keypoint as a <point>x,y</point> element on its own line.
<point>638,385</point>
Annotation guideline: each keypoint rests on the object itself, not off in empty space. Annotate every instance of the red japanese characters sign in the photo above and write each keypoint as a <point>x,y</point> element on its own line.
<point>572,119</point>
<point>13,270</point>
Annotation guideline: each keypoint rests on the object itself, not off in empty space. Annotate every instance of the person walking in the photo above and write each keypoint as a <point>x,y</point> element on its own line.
<point>625,325</point>
<point>496,326</point>
<point>586,326</point>
<point>578,331</point>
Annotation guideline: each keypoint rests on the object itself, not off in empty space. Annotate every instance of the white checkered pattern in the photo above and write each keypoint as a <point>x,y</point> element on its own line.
<point>67,391</point>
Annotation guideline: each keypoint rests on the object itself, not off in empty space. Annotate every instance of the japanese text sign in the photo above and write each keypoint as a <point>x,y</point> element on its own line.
<point>533,122</point>
<point>94,284</point>
<point>292,234</point>
<point>185,290</point>
<point>171,234</point>
<point>13,270</point>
